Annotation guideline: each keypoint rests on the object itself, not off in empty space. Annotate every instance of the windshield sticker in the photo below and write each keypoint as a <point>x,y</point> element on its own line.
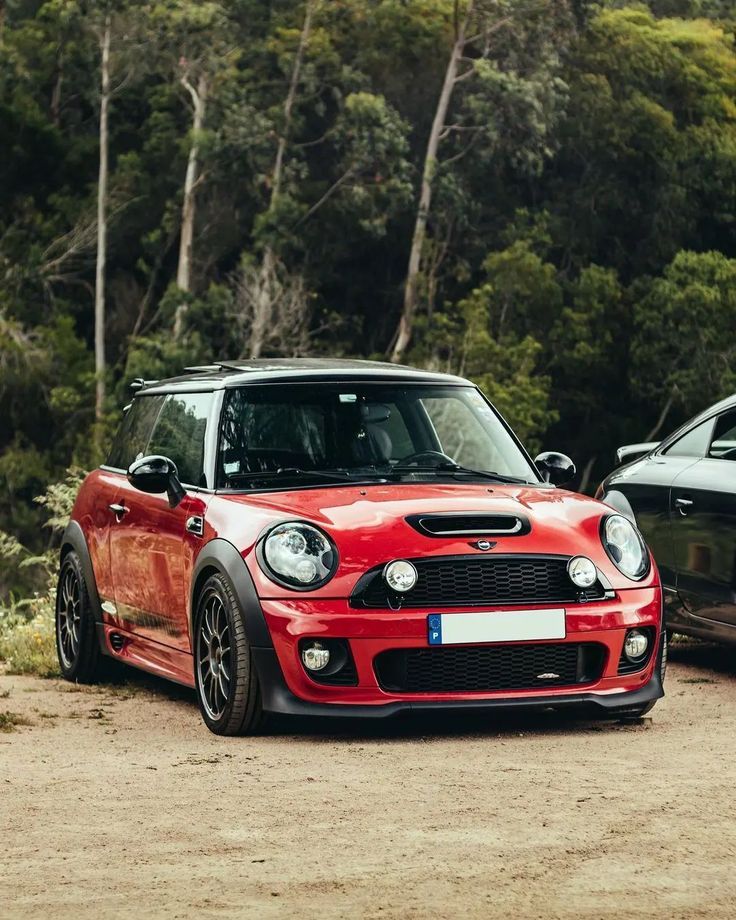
<point>348,397</point>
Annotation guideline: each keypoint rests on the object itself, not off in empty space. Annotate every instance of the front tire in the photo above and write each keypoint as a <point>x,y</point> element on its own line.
<point>228,690</point>
<point>80,657</point>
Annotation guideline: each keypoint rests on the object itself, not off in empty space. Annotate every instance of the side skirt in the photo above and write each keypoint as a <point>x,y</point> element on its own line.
<point>147,655</point>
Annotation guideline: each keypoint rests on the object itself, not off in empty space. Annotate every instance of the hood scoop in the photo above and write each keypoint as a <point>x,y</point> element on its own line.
<point>467,524</point>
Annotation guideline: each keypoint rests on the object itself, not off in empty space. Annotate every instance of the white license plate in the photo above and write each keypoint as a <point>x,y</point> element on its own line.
<point>499,626</point>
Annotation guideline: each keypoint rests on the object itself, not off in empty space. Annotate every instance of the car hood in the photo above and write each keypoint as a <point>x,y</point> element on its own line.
<point>369,525</point>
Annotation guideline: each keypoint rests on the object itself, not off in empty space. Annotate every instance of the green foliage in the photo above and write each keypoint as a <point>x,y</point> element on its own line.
<point>683,342</point>
<point>27,638</point>
<point>580,247</point>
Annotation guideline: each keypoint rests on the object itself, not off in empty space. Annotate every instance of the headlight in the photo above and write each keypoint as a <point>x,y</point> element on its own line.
<point>625,547</point>
<point>582,571</point>
<point>298,556</point>
<point>400,575</point>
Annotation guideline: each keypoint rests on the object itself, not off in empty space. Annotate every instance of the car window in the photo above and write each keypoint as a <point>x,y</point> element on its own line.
<point>179,434</point>
<point>693,444</point>
<point>134,433</point>
<point>463,436</point>
<point>359,427</point>
<point>723,445</point>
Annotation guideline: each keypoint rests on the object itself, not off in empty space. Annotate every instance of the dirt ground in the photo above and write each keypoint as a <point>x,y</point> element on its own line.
<point>116,801</point>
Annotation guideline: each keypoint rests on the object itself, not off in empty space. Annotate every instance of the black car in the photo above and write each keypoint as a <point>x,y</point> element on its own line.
<point>682,494</point>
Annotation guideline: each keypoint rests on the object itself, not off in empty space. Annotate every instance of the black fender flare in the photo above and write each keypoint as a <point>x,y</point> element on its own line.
<point>74,539</point>
<point>223,557</point>
<point>619,502</point>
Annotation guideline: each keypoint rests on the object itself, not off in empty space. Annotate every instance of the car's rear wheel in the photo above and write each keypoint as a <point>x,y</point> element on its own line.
<point>77,647</point>
<point>228,690</point>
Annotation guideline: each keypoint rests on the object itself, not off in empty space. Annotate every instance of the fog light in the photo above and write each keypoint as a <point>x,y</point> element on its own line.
<point>315,657</point>
<point>400,575</point>
<point>636,645</point>
<point>582,571</point>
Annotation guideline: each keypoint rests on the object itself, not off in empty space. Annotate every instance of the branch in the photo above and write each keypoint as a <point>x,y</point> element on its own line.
<point>327,195</point>
<point>664,413</point>
<point>468,147</point>
<point>184,80</point>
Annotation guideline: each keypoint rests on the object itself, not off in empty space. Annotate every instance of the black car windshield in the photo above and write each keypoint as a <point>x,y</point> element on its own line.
<point>274,434</point>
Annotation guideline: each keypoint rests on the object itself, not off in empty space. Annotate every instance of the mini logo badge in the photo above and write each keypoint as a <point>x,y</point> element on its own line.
<point>484,545</point>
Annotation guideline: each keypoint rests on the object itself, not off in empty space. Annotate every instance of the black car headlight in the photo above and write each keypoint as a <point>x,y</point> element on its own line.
<point>625,546</point>
<point>297,555</point>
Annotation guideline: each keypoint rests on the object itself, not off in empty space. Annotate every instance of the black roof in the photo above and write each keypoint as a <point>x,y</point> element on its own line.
<point>290,370</point>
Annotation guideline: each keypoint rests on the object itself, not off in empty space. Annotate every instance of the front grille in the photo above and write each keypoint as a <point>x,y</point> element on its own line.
<point>489,668</point>
<point>474,580</point>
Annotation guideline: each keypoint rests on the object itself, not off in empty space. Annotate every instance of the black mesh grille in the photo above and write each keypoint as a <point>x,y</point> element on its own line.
<point>470,581</point>
<point>489,667</point>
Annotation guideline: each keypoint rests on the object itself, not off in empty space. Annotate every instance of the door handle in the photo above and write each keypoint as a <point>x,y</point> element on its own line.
<point>118,510</point>
<point>683,505</point>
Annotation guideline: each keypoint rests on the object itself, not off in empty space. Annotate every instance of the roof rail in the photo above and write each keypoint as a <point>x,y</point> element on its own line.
<point>139,383</point>
<point>202,368</point>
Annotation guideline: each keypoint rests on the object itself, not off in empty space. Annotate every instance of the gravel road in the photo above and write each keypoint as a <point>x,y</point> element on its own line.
<point>116,801</point>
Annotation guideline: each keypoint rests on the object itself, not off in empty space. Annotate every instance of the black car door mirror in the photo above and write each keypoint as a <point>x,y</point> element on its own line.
<point>154,475</point>
<point>555,468</point>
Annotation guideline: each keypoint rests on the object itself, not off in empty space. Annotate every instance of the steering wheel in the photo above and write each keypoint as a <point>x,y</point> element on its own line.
<point>428,455</point>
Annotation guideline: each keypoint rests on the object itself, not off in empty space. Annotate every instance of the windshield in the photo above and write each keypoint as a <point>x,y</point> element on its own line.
<point>362,431</point>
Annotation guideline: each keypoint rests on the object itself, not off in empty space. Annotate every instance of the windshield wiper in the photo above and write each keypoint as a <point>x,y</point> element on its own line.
<point>452,468</point>
<point>294,472</point>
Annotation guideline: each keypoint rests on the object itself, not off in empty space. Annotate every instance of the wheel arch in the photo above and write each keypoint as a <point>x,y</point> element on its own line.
<point>220,556</point>
<point>74,539</point>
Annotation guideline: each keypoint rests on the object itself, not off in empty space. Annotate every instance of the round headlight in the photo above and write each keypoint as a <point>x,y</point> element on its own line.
<point>582,571</point>
<point>400,575</point>
<point>625,546</point>
<point>298,555</point>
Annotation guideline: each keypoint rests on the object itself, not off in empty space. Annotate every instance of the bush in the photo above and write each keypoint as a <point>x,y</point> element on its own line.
<point>27,639</point>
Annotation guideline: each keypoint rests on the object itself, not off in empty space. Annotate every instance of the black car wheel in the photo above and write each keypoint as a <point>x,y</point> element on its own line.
<point>80,658</point>
<point>227,683</point>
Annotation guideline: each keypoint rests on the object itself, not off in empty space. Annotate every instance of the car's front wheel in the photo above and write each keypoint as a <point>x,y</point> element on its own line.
<point>80,658</point>
<point>227,682</point>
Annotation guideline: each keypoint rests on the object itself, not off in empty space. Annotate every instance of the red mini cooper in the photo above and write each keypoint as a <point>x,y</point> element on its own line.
<point>348,538</point>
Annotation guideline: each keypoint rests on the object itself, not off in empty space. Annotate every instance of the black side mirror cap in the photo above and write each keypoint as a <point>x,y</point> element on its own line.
<point>555,468</point>
<point>156,474</point>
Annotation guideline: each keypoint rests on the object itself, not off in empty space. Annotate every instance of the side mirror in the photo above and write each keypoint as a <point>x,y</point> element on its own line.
<point>155,475</point>
<point>555,468</point>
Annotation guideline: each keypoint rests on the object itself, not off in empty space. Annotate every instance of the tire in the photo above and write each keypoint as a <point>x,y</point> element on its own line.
<point>77,647</point>
<point>228,690</point>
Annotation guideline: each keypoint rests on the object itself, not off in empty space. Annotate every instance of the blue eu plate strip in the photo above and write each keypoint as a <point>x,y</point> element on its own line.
<point>434,629</point>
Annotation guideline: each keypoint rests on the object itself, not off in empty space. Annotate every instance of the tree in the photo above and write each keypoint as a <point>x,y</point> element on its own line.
<point>518,69</point>
<point>683,350</point>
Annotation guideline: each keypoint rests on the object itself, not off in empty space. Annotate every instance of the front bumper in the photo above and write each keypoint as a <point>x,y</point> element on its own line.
<point>287,688</point>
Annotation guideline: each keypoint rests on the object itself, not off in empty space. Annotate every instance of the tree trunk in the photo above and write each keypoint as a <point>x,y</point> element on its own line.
<point>184,269</point>
<point>102,223</point>
<point>263,302</point>
<point>402,336</point>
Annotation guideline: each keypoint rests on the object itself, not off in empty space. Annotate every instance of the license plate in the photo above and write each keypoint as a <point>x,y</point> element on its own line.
<point>499,626</point>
